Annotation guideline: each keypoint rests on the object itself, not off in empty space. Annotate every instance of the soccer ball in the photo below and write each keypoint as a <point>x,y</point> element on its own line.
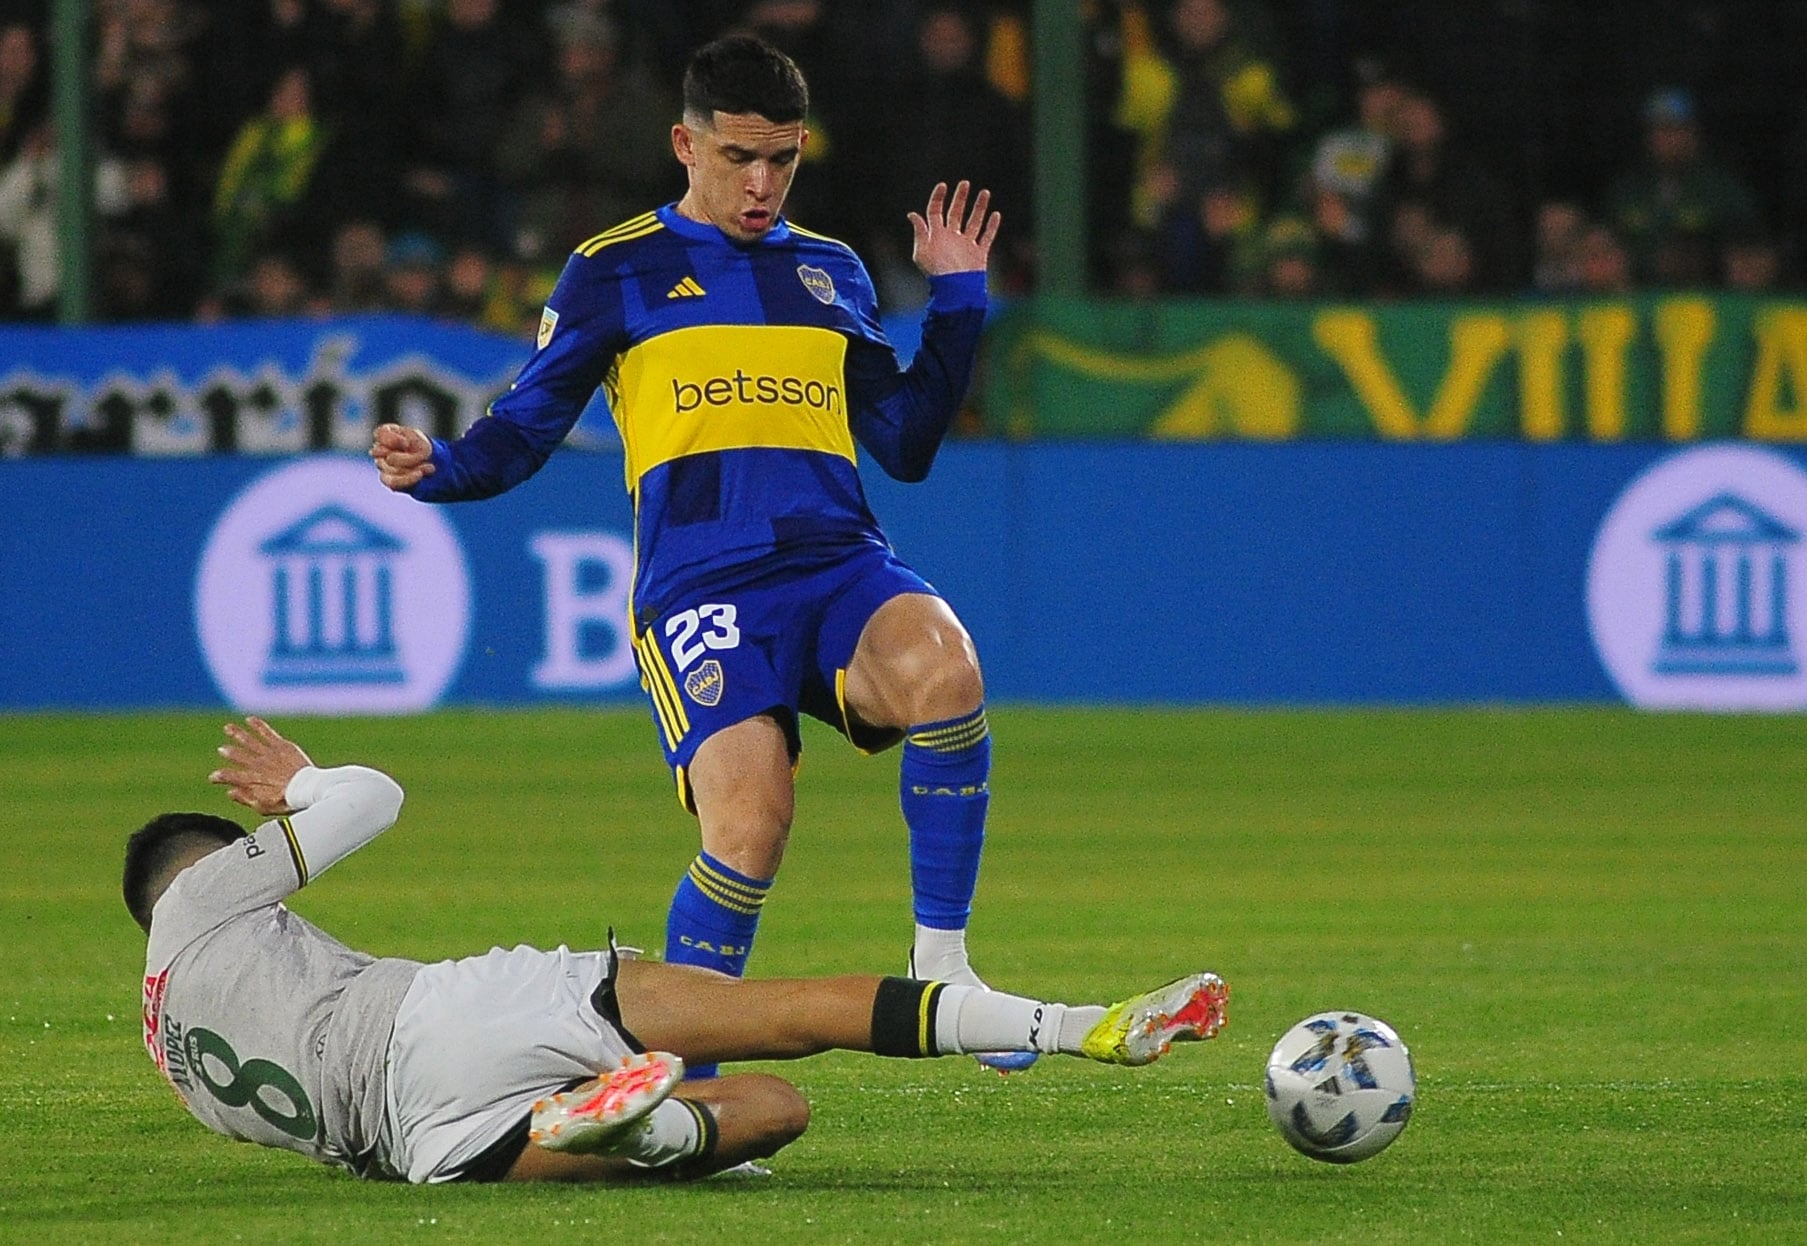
<point>1340,1086</point>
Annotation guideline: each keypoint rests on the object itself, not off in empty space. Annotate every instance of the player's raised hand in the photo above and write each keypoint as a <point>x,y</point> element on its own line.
<point>259,765</point>
<point>948,238</point>
<point>403,455</point>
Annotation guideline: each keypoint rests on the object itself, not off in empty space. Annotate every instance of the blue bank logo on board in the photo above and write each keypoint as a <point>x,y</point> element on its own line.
<point>1725,591</point>
<point>332,613</point>
<point>321,591</point>
<point>1697,582</point>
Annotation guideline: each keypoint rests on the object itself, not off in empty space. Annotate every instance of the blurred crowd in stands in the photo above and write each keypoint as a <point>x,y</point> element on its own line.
<point>283,157</point>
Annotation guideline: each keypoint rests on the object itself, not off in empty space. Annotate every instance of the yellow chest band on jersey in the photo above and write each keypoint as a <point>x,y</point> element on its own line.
<point>731,387</point>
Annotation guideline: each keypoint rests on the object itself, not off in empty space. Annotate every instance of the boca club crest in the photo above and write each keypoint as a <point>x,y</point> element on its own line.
<point>817,282</point>
<point>706,683</point>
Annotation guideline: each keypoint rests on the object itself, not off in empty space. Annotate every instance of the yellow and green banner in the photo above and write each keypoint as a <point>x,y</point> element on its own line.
<point>1678,368</point>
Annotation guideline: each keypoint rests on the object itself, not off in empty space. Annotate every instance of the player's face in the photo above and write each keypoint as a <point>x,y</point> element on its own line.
<point>740,168</point>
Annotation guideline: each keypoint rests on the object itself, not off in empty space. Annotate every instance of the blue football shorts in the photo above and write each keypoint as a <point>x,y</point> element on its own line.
<point>778,645</point>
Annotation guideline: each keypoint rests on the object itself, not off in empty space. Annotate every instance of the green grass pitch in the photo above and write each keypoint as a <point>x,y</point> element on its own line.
<point>1590,926</point>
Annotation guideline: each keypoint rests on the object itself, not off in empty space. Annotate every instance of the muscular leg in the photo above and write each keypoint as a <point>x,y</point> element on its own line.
<point>915,668</point>
<point>705,1016</point>
<point>914,663</point>
<point>740,780</point>
<point>709,1016</point>
<point>700,1014</point>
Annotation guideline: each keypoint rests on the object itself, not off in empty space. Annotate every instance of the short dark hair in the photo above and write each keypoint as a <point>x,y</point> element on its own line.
<point>158,845</point>
<point>744,74</point>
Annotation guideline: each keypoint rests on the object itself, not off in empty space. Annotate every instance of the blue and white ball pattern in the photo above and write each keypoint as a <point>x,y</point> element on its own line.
<point>1340,1086</point>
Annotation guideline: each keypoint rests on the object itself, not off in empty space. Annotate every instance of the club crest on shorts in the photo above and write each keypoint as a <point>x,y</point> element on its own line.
<point>548,322</point>
<point>706,683</point>
<point>817,282</point>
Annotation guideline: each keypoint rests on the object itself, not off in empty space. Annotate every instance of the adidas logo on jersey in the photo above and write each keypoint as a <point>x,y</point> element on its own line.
<point>686,289</point>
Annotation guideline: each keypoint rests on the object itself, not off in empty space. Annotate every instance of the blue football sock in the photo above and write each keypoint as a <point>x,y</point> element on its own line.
<point>712,922</point>
<point>944,792</point>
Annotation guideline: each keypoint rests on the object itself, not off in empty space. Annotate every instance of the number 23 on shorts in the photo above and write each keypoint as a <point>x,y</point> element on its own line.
<point>692,632</point>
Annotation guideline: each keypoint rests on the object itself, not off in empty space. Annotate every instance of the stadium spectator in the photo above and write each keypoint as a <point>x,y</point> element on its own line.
<point>1349,164</point>
<point>1557,233</point>
<point>355,282</point>
<point>411,282</point>
<point>29,188</point>
<point>148,260</point>
<point>1678,205</point>
<point>1443,264</point>
<point>24,87</point>
<point>1218,150</point>
<point>147,77</point>
<point>275,287</point>
<point>589,148</point>
<point>263,192</point>
<point>1753,262</point>
<point>468,284</point>
<point>1602,265</point>
<point>355,55</point>
<point>30,276</point>
<point>1435,187</point>
<point>948,124</point>
<point>476,66</point>
<point>1282,260</point>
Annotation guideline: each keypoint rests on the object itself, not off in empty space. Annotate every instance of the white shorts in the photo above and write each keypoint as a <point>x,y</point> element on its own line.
<point>477,1040</point>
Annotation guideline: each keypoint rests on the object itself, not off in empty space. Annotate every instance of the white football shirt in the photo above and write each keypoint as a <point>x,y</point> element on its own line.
<point>269,1029</point>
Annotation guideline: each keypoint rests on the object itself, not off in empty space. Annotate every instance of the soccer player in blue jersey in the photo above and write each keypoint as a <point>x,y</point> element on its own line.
<point>743,358</point>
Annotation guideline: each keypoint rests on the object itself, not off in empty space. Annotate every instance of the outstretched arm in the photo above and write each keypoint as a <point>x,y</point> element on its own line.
<point>580,335</point>
<point>901,416</point>
<point>324,815</point>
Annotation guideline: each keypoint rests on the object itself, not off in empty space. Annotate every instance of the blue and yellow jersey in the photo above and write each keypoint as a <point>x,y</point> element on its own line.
<point>740,377</point>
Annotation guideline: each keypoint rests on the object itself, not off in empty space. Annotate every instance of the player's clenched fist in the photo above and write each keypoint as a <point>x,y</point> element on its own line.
<point>403,455</point>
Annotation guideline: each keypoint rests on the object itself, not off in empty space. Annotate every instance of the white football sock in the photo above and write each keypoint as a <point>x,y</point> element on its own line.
<point>940,956</point>
<point>669,1133</point>
<point>975,1019</point>
<point>1076,1023</point>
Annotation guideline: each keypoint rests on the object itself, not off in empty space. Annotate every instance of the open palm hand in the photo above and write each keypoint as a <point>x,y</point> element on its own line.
<point>948,238</point>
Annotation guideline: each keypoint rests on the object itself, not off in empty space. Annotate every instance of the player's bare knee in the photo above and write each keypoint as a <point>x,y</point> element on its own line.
<point>759,1113</point>
<point>751,848</point>
<point>747,829</point>
<point>787,1113</point>
<point>947,687</point>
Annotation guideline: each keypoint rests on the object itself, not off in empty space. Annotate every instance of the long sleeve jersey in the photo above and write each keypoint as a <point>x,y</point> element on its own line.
<point>268,1028</point>
<point>740,377</point>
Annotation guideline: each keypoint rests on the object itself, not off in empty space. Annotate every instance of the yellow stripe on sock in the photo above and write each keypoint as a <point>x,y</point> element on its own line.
<point>747,892</point>
<point>924,1038</point>
<point>702,1126</point>
<point>952,739</point>
<point>727,899</point>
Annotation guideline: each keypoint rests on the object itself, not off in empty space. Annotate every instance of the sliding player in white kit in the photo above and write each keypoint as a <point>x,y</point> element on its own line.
<point>521,1064</point>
